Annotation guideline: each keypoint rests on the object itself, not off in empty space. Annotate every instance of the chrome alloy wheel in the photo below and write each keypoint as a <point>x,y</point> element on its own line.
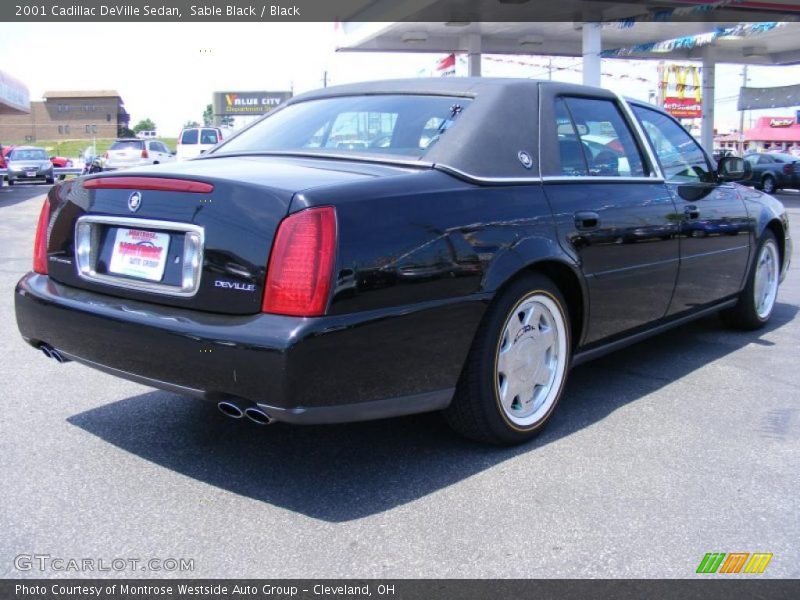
<point>531,359</point>
<point>765,287</point>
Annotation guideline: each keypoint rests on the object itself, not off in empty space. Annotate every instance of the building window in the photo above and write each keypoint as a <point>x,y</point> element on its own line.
<point>94,128</point>
<point>66,128</point>
<point>60,129</point>
<point>87,129</point>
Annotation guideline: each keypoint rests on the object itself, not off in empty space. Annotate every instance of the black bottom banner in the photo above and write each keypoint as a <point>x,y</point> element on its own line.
<point>400,589</point>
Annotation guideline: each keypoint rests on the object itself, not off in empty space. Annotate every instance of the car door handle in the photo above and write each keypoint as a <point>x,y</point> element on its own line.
<point>692,212</point>
<point>586,219</point>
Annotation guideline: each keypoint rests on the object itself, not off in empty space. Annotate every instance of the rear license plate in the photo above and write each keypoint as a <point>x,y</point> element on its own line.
<point>139,253</point>
<point>30,173</point>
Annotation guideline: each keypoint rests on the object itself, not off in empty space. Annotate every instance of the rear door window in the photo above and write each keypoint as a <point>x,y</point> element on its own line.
<point>189,136</point>
<point>570,150</point>
<point>606,141</point>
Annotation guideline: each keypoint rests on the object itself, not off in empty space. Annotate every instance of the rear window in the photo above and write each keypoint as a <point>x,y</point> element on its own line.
<point>189,136</point>
<point>127,145</point>
<point>209,136</point>
<point>384,124</point>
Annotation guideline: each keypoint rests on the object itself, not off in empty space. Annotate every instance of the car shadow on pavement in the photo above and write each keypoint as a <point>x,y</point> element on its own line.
<point>343,472</point>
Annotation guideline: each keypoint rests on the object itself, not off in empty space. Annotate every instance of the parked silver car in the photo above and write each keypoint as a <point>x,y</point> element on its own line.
<point>133,152</point>
<point>28,163</point>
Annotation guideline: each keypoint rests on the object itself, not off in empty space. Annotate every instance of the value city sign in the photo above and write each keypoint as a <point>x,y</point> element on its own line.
<point>232,104</point>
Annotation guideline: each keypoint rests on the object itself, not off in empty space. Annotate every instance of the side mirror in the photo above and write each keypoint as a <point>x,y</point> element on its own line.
<point>732,168</point>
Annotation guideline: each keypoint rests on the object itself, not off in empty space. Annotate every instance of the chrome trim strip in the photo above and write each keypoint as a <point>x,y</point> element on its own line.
<point>479,179</point>
<point>587,178</point>
<point>670,322</point>
<point>379,158</point>
<point>651,156</point>
<point>86,248</point>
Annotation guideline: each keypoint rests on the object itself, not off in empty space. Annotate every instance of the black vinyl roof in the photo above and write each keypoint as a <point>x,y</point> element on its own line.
<point>487,140</point>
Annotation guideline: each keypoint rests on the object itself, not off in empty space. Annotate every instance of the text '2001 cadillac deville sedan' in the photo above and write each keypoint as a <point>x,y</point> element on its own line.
<point>388,248</point>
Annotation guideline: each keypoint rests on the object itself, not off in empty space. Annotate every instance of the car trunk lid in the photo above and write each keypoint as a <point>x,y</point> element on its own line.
<point>196,234</point>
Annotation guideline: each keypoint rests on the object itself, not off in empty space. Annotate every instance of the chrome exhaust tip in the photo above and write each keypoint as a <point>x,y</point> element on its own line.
<point>51,352</point>
<point>229,409</point>
<point>258,416</point>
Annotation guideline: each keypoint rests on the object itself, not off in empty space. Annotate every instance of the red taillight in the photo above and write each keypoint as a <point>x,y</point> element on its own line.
<point>40,245</point>
<point>144,153</point>
<point>161,184</point>
<point>300,270</point>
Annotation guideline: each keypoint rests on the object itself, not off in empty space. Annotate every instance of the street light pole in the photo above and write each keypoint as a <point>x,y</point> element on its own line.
<point>741,114</point>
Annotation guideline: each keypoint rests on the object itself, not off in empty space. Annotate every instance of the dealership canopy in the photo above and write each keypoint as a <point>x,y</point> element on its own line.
<point>14,96</point>
<point>729,31</point>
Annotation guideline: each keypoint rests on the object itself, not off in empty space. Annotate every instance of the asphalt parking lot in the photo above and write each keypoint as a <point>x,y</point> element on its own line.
<point>681,445</point>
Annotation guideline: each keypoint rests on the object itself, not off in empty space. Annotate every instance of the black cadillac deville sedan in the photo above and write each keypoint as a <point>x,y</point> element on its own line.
<point>396,247</point>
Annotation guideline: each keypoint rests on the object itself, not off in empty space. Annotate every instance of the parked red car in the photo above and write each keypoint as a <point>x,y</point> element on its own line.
<point>60,162</point>
<point>4,151</point>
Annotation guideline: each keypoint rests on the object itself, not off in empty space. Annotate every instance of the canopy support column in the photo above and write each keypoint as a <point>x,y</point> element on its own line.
<point>592,46</point>
<point>474,54</point>
<point>707,126</point>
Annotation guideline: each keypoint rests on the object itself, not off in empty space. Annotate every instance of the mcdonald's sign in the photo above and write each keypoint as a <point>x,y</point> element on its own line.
<point>681,90</point>
<point>734,562</point>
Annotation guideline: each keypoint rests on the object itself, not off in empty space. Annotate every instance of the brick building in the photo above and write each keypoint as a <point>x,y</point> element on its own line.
<point>70,115</point>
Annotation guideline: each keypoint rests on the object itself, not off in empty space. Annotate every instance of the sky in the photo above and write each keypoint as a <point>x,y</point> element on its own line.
<point>168,71</point>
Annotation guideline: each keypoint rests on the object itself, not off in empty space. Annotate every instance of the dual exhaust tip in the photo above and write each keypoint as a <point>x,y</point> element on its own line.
<point>51,352</point>
<point>231,409</point>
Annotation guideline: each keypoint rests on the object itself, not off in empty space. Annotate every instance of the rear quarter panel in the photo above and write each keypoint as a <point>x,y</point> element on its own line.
<point>429,237</point>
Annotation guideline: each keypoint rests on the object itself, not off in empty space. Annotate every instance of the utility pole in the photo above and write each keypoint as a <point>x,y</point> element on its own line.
<point>550,68</point>
<point>325,78</point>
<point>741,115</point>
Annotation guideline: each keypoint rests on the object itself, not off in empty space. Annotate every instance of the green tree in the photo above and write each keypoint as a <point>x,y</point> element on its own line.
<point>124,131</point>
<point>191,124</point>
<point>208,118</point>
<point>144,125</point>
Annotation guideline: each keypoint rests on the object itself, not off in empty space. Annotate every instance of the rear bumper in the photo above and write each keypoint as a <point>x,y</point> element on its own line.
<point>332,369</point>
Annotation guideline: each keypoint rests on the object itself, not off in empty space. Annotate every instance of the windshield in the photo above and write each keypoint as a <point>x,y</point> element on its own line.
<point>384,124</point>
<point>29,155</point>
<point>127,144</point>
